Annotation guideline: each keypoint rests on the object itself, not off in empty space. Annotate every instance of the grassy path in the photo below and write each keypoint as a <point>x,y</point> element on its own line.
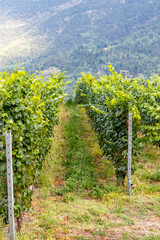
<point>79,164</point>
<point>78,198</point>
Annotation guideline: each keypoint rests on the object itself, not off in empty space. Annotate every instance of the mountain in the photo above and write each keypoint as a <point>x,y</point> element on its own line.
<point>80,35</point>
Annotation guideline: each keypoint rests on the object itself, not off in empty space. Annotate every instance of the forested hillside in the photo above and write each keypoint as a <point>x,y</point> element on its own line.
<point>77,35</point>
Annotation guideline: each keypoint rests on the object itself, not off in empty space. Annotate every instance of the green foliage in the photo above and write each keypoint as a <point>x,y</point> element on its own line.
<point>28,107</point>
<point>108,100</point>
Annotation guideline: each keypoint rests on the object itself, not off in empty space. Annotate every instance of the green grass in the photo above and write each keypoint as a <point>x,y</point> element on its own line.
<point>152,238</point>
<point>80,166</point>
<point>156,175</point>
<point>78,197</point>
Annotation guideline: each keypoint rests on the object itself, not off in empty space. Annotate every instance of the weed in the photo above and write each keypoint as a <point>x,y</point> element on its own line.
<point>99,233</point>
<point>127,220</point>
<point>97,192</point>
<point>127,236</point>
<point>152,237</point>
<point>118,210</point>
<point>156,175</point>
<point>93,212</point>
<point>81,238</point>
<point>68,198</point>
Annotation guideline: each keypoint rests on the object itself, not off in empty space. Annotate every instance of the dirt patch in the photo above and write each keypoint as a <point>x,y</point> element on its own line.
<point>142,228</point>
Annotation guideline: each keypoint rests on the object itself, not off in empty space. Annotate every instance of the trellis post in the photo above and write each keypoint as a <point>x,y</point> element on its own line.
<point>129,152</point>
<point>11,234</point>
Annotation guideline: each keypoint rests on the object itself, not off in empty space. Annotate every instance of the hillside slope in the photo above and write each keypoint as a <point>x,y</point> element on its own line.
<point>43,34</point>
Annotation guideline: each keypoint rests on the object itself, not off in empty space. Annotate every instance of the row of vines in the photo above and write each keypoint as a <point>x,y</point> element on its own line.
<point>28,107</point>
<point>108,100</point>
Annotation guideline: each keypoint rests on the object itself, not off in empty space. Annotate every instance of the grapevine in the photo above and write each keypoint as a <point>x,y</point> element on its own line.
<point>107,101</point>
<point>28,107</point>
